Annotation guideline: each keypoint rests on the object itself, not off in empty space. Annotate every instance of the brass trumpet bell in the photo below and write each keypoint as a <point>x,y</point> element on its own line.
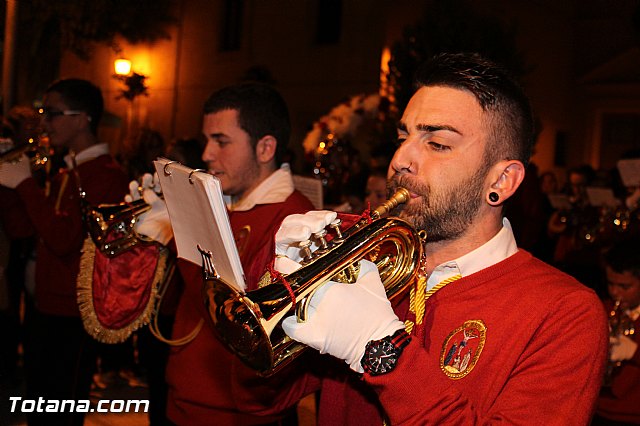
<point>250,323</point>
<point>111,225</point>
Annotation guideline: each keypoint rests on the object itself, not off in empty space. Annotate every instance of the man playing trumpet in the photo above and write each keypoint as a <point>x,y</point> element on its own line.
<point>488,334</point>
<point>618,401</point>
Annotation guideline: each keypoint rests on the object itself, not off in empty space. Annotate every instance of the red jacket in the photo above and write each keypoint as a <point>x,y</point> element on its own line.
<point>61,230</point>
<point>542,358</point>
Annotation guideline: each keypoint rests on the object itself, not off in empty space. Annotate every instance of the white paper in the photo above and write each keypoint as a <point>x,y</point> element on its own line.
<point>199,218</point>
<point>630,171</point>
<point>311,188</point>
<point>599,196</point>
<point>559,201</point>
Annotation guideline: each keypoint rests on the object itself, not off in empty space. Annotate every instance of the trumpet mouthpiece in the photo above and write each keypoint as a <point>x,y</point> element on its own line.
<point>399,197</point>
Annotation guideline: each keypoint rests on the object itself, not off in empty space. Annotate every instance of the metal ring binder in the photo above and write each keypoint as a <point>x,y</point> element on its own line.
<point>192,172</point>
<point>166,172</point>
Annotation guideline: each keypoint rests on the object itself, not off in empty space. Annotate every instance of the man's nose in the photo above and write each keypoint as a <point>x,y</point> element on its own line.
<point>209,153</point>
<point>403,160</point>
<point>615,293</point>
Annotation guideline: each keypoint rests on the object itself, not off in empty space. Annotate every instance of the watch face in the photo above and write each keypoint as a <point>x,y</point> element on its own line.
<point>381,358</point>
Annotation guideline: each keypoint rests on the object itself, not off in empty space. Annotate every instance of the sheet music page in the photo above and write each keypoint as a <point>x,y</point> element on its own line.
<point>601,197</point>
<point>630,171</point>
<point>310,188</point>
<point>559,201</point>
<point>199,218</point>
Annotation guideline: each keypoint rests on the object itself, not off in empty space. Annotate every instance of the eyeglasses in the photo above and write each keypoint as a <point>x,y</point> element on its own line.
<point>49,114</point>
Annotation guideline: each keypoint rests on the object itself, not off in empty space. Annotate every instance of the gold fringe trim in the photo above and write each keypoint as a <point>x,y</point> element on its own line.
<point>84,287</point>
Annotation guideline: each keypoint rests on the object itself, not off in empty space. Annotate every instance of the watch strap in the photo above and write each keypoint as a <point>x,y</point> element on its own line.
<point>398,340</point>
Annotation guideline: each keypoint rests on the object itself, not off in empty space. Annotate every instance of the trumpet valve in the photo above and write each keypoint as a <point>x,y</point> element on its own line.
<point>335,225</point>
<point>323,246</point>
<point>305,250</point>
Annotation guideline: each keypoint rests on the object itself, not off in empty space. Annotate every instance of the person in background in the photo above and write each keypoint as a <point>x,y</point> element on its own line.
<point>548,183</point>
<point>20,127</point>
<point>141,148</point>
<point>487,332</point>
<point>59,354</point>
<point>618,401</point>
<point>187,151</point>
<point>376,190</point>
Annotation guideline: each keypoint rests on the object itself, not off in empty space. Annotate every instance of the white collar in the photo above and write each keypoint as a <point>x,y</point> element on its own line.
<point>94,151</point>
<point>274,189</point>
<point>498,248</point>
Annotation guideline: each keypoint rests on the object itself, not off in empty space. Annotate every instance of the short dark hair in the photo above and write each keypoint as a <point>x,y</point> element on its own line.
<point>497,91</point>
<point>261,112</point>
<point>624,256</point>
<point>81,95</point>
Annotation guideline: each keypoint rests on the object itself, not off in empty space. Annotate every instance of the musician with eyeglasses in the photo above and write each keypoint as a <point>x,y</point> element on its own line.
<point>618,401</point>
<point>486,333</point>
<point>59,354</point>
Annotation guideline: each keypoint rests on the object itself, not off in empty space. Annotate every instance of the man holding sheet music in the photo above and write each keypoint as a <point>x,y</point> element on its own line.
<point>247,131</point>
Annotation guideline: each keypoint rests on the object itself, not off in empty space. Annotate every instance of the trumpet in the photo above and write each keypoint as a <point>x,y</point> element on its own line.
<point>111,226</point>
<point>620,324</point>
<point>10,153</point>
<point>249,324</point>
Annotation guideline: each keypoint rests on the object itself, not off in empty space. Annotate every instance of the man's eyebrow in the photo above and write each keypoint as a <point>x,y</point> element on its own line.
<point>430,128</point>
<point>434,128</point>
<point>215,135</point>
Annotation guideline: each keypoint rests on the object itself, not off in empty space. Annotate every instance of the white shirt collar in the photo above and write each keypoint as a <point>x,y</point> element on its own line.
<point>94,151</point>
<point>274,189</point>
<point>498,248</point>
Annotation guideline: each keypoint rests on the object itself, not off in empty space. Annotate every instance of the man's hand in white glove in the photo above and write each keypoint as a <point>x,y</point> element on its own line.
<point>294,229</point>
<point>155,223</point>
<point>343,318</point>
<point>622,348</point>
<point>13,174</point>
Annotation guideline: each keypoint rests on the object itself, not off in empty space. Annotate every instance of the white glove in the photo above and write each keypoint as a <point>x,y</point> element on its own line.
<point>343,318</point>
<point>622,348</point>
<point>155,223</point>
<point>294,229</point>
<point>13,174</point>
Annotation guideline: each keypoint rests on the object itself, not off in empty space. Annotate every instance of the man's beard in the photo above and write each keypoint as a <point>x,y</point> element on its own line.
<point>444,213</point>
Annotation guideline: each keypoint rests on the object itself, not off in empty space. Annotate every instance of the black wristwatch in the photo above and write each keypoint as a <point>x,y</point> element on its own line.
<point>381,356</point>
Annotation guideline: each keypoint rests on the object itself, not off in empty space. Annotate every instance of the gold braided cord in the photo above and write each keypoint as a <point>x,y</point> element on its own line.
<point>63,186</point>
<point>417,302</point>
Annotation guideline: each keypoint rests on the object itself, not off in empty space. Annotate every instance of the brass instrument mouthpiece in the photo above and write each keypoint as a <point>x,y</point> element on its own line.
<point>399,197</point>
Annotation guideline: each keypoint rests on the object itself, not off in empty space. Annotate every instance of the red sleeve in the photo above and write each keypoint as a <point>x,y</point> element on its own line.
<point>555,382</point>
<point>13,215</point>
<point>60,230</point>
<point>58,218</point>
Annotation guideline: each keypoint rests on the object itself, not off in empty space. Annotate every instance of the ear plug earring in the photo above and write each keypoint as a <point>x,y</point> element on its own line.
<point>494,197</point>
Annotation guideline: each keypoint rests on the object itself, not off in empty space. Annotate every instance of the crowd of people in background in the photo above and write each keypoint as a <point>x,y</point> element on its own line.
<point>552,217</point>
